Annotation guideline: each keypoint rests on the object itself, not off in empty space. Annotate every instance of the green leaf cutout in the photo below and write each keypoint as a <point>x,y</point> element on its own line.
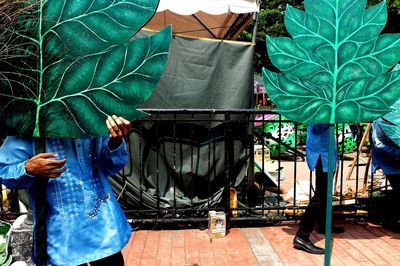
<point>75,64</point>
<point>391,127</point>
<point>390,124</point>
<point>335,67</point>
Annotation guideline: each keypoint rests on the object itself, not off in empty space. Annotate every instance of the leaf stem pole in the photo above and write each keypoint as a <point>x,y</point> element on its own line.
<point>328,223</point>
<point>40,243</point>
<point>36,132</point>
<point>40,231</point>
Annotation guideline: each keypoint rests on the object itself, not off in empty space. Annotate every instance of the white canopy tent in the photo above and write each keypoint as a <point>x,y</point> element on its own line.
<point>217,19</point>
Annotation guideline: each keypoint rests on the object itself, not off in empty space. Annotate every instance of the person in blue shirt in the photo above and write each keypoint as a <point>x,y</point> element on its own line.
<point>386,156</point>
<point>84,221</point>
<point>317,146</point>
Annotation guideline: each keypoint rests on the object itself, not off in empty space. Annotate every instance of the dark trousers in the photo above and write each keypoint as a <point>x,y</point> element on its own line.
<point>114,260</point>
<point>394,180</point>
<point>316,209</point>
<point>390,208</point>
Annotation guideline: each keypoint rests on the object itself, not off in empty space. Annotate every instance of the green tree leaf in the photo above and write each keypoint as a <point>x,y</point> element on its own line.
<point>75,65</point>
<point>334,68</point>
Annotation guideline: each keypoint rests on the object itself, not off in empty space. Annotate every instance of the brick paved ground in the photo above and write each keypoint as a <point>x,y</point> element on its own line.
<point>361,244</point>
<point>188,247</point>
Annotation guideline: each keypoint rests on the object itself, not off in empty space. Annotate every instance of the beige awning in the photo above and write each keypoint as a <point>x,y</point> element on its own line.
<point>213,7</point>
<point>217,19</point>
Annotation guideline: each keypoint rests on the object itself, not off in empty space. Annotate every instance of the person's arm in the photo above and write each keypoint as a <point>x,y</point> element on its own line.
<point>113,154</point>
<point>13,154</point>
<point>19,166</point>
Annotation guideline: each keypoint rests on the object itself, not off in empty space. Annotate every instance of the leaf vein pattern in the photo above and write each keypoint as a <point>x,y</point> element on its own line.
<point>313,34</point>
<point>77,18</point>
<point>73,117</point>
<point>364,25</point>
<point>294,57</point>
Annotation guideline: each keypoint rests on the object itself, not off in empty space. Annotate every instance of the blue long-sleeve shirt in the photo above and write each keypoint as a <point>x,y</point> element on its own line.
<point>84,220</point>
<point>317,145</point>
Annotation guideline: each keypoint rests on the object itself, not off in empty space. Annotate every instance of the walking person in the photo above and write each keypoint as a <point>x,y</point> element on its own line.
<point>317,146</point>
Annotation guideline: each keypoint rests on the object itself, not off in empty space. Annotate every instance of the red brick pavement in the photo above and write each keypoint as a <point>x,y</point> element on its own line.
<point>188,247</point>
<point>361,244</point>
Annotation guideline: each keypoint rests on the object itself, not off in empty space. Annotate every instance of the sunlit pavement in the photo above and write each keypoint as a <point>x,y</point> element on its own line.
<point>361,244</point>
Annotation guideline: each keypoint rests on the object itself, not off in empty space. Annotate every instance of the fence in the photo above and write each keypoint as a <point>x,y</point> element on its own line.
<point>248,163</point>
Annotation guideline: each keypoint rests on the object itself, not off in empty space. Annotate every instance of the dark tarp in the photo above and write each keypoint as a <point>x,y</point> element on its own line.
<point>191,156</point>
<point>205,74</point>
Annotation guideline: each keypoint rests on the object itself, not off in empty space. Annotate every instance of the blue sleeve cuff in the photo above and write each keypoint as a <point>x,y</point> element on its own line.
<point>17,178</point>
<point>118,149</point>
<point>118,156</point>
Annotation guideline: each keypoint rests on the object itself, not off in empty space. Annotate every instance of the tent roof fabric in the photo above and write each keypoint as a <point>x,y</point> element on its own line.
<point>213,7</point>
<point>216,19</point>
<point>201,25</point>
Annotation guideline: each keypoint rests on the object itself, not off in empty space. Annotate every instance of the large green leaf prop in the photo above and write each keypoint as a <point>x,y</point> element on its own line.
<point>391,124</point>
<point>334,70</point>
<point>73,64</point>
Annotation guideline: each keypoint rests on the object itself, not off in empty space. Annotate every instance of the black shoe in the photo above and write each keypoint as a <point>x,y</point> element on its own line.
<point>334,230</point>
<point>307,245</point>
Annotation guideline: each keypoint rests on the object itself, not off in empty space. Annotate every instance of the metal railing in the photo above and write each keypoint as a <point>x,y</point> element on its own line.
<point>248,163</point>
